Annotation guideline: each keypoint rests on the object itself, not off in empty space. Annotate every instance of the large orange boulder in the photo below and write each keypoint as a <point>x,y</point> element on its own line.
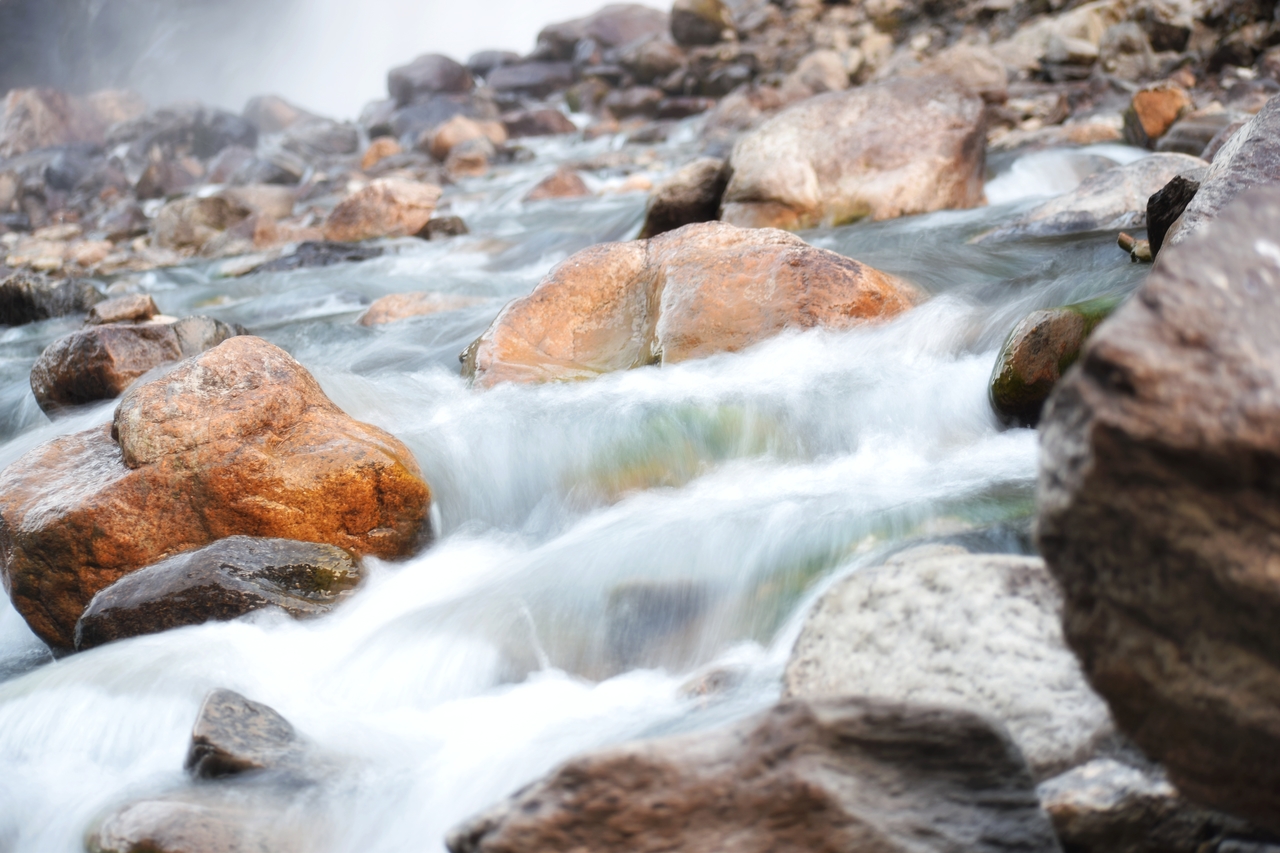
<point>905,146</point>
<point>689,293</point>
<point>239,440</point>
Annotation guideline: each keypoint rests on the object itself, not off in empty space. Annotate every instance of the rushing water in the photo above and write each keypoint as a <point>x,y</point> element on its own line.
<point>732,489</point>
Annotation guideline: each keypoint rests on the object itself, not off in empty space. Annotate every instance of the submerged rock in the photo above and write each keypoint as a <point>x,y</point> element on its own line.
<point>100,362</point>
<point>1251,158</point>
<point>834,775</point>
<point>178,826</point>
<point>402,306</point>
<point>689,196</point>
<point>1037,353</point>
<point>689,293</point>
<point>980,633</point>
<point>235,735</point>
<point>239,440</point>
<point>226,580</point>
<point>29,298</point>
<point>387,207</point>
<point>921,147</point>
<point>1108,201</point>
<point>1157,516</point>
<point>322,254</point>
<point>565,182</point>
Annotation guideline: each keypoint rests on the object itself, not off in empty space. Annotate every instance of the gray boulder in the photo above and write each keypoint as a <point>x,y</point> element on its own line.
<point>27,298</point>
<point>980,633</point>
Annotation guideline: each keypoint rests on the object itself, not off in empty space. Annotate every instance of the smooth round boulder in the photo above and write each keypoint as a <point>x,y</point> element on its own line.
<point>689,293</point>
<point>223,581</point>
<point>905,146</point>
<point>239,440</point>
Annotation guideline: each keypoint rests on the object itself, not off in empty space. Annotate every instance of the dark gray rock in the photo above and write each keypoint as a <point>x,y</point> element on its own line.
<point>1159,511</point>
<point>1251,158</point>
<point>1164,208</point>
<point>27,298</point>
<point>235,735</point>
<point>544,122</point>
<point>222,581</point>
<point>532,79</point>
<point>322,254</point>
<point>645,621</point>
<point>691,195</point>
<point>430,74</point>
<point>443,227</point>
<point>1194,133</point>
<point>834,775</point>
<point>480,64</point>
<point>314,138</point>
<point>612,26</point>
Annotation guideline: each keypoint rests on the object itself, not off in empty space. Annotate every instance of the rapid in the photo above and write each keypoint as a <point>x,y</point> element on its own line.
<point>619,558</point>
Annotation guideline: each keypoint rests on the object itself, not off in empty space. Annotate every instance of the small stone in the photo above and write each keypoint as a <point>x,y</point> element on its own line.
<point>234,735</point>
<point>564,183</point>
<point>444,227</point>
<point>135,307</point>
<point>379,150</point>
<point>690,195</point>
<point>1153,111</point>
<point>401,306</point>
<point>1166,205</point>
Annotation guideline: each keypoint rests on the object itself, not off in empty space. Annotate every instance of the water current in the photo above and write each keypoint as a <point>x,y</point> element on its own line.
<point>620,558</point>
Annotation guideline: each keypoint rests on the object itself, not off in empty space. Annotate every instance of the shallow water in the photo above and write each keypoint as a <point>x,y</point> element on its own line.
<point>732,489</point>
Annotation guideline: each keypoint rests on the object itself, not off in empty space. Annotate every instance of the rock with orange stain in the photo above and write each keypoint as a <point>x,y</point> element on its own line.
<point>379,150</point>
<point>459,130</point>
<point>689,293</point>
<point>387,207</point>
<point>1153,111</point>
<point>902,147</point>
<point>565,182</point>
<point>402,306</point>
<point>240,440</point>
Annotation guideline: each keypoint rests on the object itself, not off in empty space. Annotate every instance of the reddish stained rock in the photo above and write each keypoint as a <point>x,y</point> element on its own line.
<point>402,306</point>
<point>564,183</point>
<point>239,440</point>
<point>386,208</point>
<point>689,293</point>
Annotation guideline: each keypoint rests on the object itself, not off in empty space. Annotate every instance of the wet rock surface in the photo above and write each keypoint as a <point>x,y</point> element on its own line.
<point>403,306</point>
<point>1155,514</point>
<point>235,735</point>
<point>980,633</point>
<point>226,580</point>
<point>824,775</point>
<point>692,292</point>
<point>921,149</point>
<point>689,196</point>
<point>316,253</point>
<point>237,441</point>
<point>27,298</point>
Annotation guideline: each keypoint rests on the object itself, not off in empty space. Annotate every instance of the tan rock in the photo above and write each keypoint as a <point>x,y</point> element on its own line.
<point>90,253</point>
<point>190,224</point>
<point>40,118</point>
<point>460,129</point>
<point>269,200</point>
<point>564,183</point>
<point>385,208</point>
<point>918,146</point>
<point>689,293</point>
<point>379,150</point>
<point>402,306</point>
<point>974,67</point>
<point>239,440</point>
<point>1153,111</point>
<point>130,308</point>
<point>823,71</point>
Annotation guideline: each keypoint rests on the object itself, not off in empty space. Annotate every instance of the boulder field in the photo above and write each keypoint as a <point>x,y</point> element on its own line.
<point>238,440</point>
<point>689,293</point>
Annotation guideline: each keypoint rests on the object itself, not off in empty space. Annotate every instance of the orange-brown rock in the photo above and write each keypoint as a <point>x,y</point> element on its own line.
<point>379,150</point>
<point>402,306</point>
<point>564,183</point>
<point>130,307</point>
<point>1153,111</point>
<point>461,129</point>
<point>689,293</point>
<point>388,207</point>
<point>239,440</point>
<point>905,146</point>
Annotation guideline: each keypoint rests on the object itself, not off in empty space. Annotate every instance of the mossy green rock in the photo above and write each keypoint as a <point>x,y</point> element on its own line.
<point>1036,354</point>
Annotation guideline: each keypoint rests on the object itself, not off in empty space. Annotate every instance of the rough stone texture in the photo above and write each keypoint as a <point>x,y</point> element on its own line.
<point>238,440</point>
<point>402,306</point>
<point>881,151</point>
<point>1164,207</point>
<point>129,308</point>
<point>975,632</point>
<point>689,293</point>
<point>1108,201</point>
<point>234,735</point>
<point>1153,111</point>
<point>565,182</point>
<point>1251,158</point>
<point>698,22</point>
<point>100,362</point>
<point>1158,511</point>
<point>690,195</point>
<point>1109,807</point>
<point>430,74</point>
<point>1036,354</point>
<point>388,207</point>
<point>223,581</point>
<point>191,224</point>
<point>28,298</point>
<point>821,777</point>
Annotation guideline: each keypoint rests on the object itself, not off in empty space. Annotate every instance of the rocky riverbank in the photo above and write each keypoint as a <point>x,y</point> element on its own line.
<point>1116,694</point>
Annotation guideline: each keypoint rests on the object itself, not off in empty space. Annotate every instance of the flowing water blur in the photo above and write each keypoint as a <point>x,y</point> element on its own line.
<point>620,558</point>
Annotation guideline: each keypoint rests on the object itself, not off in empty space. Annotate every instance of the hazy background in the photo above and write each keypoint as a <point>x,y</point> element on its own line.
<point>330,56</point>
